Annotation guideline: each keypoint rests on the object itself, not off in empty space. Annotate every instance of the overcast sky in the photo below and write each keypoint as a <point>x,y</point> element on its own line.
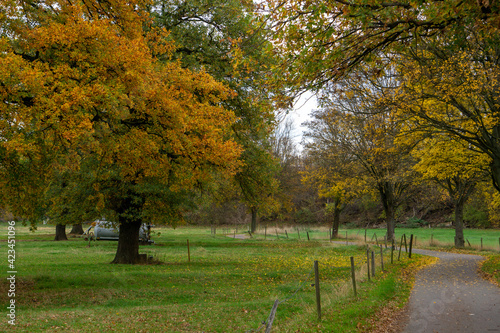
<point>302,108</point>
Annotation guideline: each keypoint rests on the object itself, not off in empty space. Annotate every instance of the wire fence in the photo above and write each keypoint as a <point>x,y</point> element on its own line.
<point>369,262</point>
<point>367,267</point>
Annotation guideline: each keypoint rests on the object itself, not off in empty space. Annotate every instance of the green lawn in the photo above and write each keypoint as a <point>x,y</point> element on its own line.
<point>230,284</point>
<point>442,237</point>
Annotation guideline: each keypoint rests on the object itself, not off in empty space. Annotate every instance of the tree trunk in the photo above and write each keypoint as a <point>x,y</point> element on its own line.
<point>77,229</point>
<point>459,224</point>
<point>253,224</point>
<point>336,220</point>
<point>128,243</point>
<point>391,223</point>
<point>387,198</point>
<point>60,232</point>
<point>495,172</point>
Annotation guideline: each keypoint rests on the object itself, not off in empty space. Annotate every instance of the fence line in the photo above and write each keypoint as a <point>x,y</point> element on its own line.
<point>269,321</point>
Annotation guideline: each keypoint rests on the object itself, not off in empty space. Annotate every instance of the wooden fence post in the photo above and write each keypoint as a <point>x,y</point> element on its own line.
<point>353,276</point>
<point>286,233</point>
<point>307,235</point>
<point>400,247</point>
<point>189,253</point>
<point>316,284</point>
<point>406,246</point>
<point>481,243</point>
<point>368,261</point>
<point>298,233</point>
<point>411,245</point>
<point>432,239</point>
<point>373,264</point>
<point>392,252</point>
<point>346,242</point>
<point>381,258</point>
<point>270,320</point>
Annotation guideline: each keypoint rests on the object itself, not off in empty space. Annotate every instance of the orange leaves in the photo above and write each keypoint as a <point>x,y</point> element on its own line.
<point>85,85</point>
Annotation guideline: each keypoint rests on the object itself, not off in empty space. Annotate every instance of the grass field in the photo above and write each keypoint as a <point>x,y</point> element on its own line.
<point>441,237</point>
<point>229,285</point>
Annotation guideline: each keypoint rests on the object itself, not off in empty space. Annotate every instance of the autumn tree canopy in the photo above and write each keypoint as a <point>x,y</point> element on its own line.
<point>355,128</point>
<point>127,134</point>
<point>320,41</point>
<point>225,38</point>
<point>446,52</point>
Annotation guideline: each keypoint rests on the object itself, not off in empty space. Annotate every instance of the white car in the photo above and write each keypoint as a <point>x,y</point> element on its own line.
<point>106,230</point>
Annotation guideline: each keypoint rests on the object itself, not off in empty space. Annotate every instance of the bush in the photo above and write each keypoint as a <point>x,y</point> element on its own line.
<point>476,218</point>
<point>305,216</point>
<point>413,222</point>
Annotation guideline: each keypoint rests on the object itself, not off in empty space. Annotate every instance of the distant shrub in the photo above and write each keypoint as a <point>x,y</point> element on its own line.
<point>305,216</point>
<point>414,222</point>
<point>476,218</point>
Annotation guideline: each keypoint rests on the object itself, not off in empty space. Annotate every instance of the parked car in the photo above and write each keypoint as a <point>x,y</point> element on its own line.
<point>106,230</point>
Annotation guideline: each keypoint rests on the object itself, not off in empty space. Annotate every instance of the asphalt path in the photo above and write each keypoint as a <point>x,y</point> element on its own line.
<point>450,296</point>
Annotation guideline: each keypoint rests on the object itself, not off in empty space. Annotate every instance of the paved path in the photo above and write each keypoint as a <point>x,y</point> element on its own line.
<point>450,297</point>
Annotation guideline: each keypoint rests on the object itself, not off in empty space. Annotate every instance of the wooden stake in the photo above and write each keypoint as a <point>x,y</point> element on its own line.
<point>368,261</point>
<point>316,284</point>
<point>381,258</point>
<point>392,252</point>
<point>353,276</point>
<point>411,245</point>
<point>400,247</point>
<point>270,320</point>
<point>373,264</point>
<point>189,253</point>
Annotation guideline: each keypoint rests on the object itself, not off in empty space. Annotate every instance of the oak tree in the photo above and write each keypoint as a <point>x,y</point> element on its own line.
<point>128,135</point>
